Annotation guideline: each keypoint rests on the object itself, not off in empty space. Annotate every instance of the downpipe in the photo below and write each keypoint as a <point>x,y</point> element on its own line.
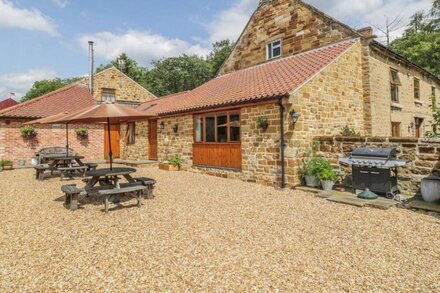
<point>282,144</point>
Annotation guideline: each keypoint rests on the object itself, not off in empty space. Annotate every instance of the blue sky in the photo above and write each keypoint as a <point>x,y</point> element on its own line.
<point>48,38</point>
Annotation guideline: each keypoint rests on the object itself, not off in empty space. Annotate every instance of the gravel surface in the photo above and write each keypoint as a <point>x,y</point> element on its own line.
<point>204,233</point>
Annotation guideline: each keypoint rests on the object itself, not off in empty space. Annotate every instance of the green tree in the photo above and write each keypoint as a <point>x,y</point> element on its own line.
<point>45,86</point>
<point>176,74</point>
<point>128,66</point>
<point>421,40</point>
<point>220,52</point>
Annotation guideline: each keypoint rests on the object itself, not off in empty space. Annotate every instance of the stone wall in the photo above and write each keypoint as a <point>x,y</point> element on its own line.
<point>384,111</point>
<point>424,155</point>
<point>171,143</point>
<point>14,147</point>
<point>127,90</point>
<point>328,102</point>
<point>261,149</point>
<point>138,150</point>
<point>300,27</point>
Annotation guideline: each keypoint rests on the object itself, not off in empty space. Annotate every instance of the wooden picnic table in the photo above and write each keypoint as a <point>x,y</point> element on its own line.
<point>109,175</point>
<point>65,160</point>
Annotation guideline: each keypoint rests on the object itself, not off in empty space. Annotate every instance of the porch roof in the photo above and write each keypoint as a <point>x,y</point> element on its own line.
<point>262,82</point>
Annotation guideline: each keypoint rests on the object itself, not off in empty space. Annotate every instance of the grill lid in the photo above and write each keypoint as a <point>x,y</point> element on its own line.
<point>384,153</point>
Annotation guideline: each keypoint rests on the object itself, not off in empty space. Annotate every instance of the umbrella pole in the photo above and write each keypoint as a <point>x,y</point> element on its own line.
<point>109,144</point>
<point>67,139</point>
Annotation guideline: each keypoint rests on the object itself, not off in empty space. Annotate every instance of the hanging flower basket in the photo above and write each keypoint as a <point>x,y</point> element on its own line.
<point>262,122</point>
<point>28,131</point>
<point>82,133</point>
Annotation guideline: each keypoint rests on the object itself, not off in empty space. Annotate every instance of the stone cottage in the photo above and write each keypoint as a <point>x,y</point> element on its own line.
<point>294,74</point>
<point>110,85</point>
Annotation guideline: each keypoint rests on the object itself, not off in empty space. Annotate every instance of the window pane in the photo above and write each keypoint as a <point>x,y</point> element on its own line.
<point>199,129</point>
<point>210,128</point>
<point>269,51</point>
<point>222,127</point>
<point>394,93</point>
<point>276,43</point>
<point>277,52</point>
<point>395,77</point>
<point>234,122</point>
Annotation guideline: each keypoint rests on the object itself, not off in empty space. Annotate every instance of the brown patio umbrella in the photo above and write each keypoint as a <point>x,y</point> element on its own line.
<point>48,120</point>
<point>104,113</point>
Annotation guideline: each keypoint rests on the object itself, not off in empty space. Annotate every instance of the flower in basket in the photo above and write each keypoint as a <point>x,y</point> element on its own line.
<point>28,131</point>
<point>82,132</point>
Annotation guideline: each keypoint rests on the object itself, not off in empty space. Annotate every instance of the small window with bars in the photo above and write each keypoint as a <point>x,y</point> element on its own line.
<point>130,135</point>
<point>416,88</point>
<point>274,49</point>
<point>394,85</point>
<point>108,95</point>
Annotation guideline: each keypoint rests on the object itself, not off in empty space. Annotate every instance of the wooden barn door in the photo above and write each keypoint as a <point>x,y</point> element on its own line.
<point>115,138</point>
<point>152,140</point>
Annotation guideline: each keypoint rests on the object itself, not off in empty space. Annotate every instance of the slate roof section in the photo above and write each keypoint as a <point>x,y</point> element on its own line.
<point>6,103</point>
<point>262,82</point>
<point>70,98</point>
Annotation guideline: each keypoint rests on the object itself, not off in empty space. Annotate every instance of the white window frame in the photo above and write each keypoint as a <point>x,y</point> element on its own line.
<point>106,98</point>
<point>269,52</point>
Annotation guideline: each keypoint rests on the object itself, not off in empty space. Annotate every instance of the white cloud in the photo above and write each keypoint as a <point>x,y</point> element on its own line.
<point>143,46</point>
<point>229,23</point>
<point>28,19</point>
<point>60,3</point>
<point>20,83</point>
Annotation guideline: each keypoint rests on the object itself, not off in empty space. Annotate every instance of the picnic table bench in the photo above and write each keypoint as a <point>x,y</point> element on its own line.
<point>140,186</point>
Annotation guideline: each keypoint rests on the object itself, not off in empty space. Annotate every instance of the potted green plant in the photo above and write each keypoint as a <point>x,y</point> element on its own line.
<point>327,175</point>
<point>262,122</point>
<point>28,131</point>
<point>171,164</point>
<point>82,132</point>
<point>311,167</point>
<point>6,164</point>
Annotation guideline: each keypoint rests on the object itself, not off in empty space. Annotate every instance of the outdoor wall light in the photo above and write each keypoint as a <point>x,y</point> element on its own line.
<point>176,128</point>
<point>162,125</point>
<point>294,116</point>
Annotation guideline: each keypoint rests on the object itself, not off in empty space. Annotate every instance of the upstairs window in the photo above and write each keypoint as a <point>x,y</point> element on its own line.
<point>108,95</point>
<point>274,49</point>
<point>394,85</point>
<point>416,88</point>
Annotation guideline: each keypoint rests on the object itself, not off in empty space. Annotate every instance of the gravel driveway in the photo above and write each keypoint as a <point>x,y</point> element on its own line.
<point>204,233</point>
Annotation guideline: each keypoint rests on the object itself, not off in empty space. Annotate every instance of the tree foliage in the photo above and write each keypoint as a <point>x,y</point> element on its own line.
<point>45,86</point>
<point>421,40</point>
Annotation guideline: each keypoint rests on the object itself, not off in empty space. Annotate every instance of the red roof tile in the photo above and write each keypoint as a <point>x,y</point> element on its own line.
<point>7,103</point>
<point>70,98</point>
<point>269,80</point>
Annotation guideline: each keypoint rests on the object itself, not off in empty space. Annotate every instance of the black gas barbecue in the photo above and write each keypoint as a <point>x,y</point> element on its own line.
<point>375,169</point>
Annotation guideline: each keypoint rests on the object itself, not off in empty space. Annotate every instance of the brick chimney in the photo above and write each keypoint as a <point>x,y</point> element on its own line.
<point>367,32</point>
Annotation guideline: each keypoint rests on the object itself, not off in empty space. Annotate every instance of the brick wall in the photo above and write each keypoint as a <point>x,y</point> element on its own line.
<point>300,28</point>
<point>383,110</point>
<point>424,155</point>
<point>14,147</point>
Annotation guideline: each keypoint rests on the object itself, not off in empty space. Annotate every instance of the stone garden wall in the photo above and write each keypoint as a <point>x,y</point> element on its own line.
<point>423,154</point>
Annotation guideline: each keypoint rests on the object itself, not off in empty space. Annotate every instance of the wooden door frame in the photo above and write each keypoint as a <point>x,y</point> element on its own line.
<point>155,121</point>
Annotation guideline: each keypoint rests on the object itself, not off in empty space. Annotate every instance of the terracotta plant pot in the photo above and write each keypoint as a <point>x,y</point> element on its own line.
<point>168,167</point>
<point>7,168</point>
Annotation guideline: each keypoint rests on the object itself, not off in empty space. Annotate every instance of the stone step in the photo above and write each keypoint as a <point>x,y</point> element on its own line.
<point>137,163</point>
<point>423,205</point>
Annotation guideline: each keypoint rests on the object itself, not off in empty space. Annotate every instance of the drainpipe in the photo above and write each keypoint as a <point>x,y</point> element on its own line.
<point>282,144</point>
